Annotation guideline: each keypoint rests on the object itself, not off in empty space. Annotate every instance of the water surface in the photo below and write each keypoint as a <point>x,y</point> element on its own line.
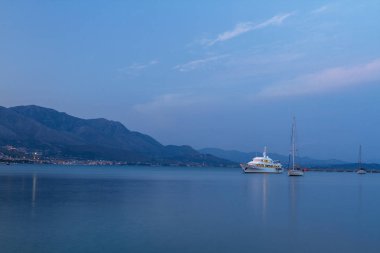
<point>165,209</point>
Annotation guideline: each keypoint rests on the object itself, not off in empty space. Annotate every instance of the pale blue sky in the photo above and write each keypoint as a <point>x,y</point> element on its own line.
<point>227,74</point>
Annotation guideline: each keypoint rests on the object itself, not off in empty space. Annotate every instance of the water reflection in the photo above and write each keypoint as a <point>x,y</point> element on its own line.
<point>360,200</point>
<point>190,213</point>
<point>258,193</point>
<point>293,201</point>
<point>18,188</point>
<point>34,189</point>
<point>264,197</point>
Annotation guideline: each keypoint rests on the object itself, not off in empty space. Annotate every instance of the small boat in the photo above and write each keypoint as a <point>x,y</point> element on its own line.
<point>294,170</point>
<point>262,164</point>
<point>360,170</point>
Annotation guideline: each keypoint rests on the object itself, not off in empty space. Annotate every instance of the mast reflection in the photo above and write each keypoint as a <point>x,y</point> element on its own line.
<point>293,201</point>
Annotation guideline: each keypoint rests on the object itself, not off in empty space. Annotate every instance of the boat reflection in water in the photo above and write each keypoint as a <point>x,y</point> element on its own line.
<point>293,202</point>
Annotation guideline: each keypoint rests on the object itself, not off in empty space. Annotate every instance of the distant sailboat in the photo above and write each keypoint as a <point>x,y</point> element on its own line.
<point>360,170</point>
<point>293,170</point>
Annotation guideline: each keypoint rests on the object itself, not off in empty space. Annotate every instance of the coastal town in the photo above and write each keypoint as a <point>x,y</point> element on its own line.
<point>20,155</point>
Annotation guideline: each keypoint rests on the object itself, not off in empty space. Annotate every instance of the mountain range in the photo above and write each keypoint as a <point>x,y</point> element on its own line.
<point>57,134</point>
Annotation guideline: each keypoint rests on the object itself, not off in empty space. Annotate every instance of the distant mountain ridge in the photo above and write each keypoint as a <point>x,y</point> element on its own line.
<point>243,157</point>
<point>59,134</point>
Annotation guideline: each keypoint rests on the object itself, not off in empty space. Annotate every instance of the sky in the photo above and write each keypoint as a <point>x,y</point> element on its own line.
<point>224,74</point>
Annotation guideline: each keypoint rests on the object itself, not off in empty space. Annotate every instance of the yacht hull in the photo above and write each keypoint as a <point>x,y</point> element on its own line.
<point>253,169</point>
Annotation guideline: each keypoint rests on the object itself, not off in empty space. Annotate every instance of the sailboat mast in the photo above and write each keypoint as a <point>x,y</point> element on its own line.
<point>293,142</point>
<point>360,157</point>
<point>294,171</point>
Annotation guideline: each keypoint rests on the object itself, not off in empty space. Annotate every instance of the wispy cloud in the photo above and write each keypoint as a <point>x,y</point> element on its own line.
<point>239,29</point>
<point>321,9</point>
<point>326,80</point>
<point>245,27</point>
<point>171,109</point>
<point>167,102</point>
<point>137,68</point>
<point>195,64</point>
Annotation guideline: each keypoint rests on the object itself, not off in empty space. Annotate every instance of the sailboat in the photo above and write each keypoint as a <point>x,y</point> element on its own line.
<point>293,170</point>
<point>360,170</point>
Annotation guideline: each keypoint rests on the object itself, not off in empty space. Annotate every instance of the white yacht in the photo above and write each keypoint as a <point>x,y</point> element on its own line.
<point>262,164</point>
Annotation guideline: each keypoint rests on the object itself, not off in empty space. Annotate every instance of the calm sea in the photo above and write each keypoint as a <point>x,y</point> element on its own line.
<point>165,209</point>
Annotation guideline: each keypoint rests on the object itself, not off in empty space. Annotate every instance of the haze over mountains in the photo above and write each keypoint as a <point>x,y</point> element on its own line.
<point>330,164</point>
<point>242,157</point>
<point>58,134</point>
